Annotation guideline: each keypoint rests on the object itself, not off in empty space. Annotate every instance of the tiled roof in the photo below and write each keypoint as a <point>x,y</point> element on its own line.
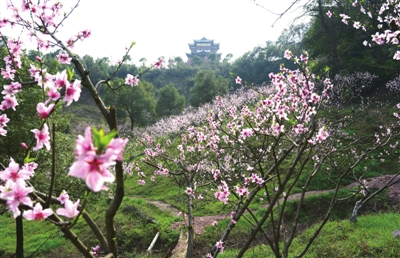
<point>204,40</point>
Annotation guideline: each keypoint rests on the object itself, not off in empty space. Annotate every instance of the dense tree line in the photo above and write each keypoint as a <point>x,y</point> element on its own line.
<point>334,49</point>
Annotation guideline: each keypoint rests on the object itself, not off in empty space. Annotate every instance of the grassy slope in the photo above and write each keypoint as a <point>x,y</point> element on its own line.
<point>364,127</point>
<point>134,222</point>
<point>370,237</point>
<point>135,231</point>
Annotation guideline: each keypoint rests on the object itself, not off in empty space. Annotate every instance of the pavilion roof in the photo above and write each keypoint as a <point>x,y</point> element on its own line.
<point>204,40</point>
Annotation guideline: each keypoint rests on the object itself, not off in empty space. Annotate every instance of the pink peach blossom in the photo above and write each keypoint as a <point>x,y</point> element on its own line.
<point>37,213</point>
<point>42,138</point>
<point>70,209</point>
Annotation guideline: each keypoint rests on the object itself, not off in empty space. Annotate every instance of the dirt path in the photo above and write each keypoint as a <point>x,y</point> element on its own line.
<point>165,207</point>
<point>393,194</point>
<point>200,222</point>
<point>373,183</point>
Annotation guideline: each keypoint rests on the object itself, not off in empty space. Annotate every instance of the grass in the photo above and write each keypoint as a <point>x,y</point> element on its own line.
<point>137,222</point>
<point>39,237</point>
<point>88,115</point>
<point>370,237</point>
<point>166,189</point>
<point>311,214</point>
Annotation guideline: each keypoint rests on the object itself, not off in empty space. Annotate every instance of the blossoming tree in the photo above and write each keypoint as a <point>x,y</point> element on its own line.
<point>96,153</point>
<point>243,152</point>
<point>264,148</point>
<point>270,147</point>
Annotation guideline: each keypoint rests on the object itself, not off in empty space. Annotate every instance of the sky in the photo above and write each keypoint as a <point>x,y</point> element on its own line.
<point>165,27</point>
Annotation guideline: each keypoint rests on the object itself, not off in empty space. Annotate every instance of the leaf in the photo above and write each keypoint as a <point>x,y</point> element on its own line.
<point>70,74</point>
<point>102,140</point>
<point>29,159</point>
<point>326,69</point>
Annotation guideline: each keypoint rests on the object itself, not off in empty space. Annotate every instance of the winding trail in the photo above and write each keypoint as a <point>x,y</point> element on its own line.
<point>200,222</point>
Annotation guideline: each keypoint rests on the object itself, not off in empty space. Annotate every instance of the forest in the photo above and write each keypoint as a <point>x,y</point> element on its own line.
<point>290,150</point>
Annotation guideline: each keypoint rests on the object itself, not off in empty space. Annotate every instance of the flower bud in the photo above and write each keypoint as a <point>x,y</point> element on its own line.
<point>24,146</point>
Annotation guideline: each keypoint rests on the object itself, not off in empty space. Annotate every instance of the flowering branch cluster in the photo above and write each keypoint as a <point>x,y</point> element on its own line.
<point>93,160</point>
<point>94,157</point>
<point>387,15</point>
<point>394,85</point>
<point>236,148</point>
<point>134,81</point>
<point>351,87</point>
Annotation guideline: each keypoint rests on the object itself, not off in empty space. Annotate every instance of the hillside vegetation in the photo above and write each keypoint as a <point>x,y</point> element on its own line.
<point>290,150</point>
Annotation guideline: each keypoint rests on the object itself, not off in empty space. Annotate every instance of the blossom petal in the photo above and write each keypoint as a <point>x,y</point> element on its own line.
<point>94,181</point>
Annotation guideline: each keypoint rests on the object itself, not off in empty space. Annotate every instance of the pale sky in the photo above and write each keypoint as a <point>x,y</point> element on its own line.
<point>165,27</point>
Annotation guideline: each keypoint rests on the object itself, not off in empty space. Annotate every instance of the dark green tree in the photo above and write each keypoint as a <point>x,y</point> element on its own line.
<point>98,68</point>
<point>197,61</point>
<point>206,87</point>
<point>143,62</point>
<point>213,58</point>
<point>228,58</point>
<point>256,65</point>
<point>137,103</point>
<point>340,47</point>
<point>178,60</point>
<point>169,102</point>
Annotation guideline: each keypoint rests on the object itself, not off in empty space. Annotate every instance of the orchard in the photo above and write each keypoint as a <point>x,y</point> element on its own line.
<point>258,144</point>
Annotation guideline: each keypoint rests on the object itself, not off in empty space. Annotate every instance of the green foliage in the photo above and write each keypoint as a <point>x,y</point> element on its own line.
<point>99,68</point>
<point>339,46</point>
<point>70,74</point>
<point>179,73</point>
<point>139,222</point>
<point>256,65</point>
<point>197,61</point>
<point>370,237</point>
<point>137,103</point>
<point>26,117</point>
<point>213,58</point>
<point>39,238</point>
<point>206,87</point>
<point>170,102</point>
<point>101,140</point>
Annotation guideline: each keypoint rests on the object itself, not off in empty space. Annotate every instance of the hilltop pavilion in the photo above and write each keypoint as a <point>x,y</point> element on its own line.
<point>203,48</point>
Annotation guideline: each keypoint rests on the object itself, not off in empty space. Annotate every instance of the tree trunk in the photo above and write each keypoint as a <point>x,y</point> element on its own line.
<point>119,193</point>
<point>20,237</point>
<point>189,252</point>
<point>357,206</point>
<point>132,122</point>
